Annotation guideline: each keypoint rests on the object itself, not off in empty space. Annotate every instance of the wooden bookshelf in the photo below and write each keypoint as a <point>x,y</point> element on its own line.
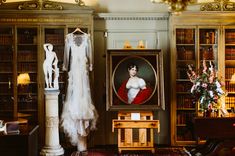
<point>230,67</point>
<point>191,43</point>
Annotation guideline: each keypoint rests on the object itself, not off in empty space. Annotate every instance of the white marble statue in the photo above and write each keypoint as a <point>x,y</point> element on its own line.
<point>50,66</point>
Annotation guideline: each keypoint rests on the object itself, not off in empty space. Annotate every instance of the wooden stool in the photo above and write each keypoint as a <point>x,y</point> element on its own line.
<point>135,134</point>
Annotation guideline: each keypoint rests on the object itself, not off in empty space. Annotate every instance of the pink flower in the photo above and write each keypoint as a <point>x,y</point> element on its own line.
<point>209,106</point>
<point>204,85</point>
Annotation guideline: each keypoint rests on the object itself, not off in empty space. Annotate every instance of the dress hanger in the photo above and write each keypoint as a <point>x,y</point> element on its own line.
<point>78,30</point>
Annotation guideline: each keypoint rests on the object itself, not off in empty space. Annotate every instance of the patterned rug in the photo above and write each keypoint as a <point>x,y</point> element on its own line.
<point>159,152</point>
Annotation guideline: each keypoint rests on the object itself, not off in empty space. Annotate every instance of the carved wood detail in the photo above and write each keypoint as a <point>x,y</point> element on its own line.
<point>218,5</point>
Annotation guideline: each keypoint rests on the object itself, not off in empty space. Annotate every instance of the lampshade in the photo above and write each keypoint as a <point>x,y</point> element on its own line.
<point>23,79</point>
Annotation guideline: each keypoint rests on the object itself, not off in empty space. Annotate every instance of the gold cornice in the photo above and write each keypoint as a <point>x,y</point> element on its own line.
<point>29,5</point>
<point>229,6</point>
<point>39,5</point>
<point>52,6</point>
<point>218,5</point>
<point>45,5</point>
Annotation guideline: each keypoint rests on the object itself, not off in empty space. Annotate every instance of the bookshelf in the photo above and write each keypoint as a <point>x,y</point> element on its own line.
<point>6,72</point>
<point>195,44</point>
<point>229,47</point>
<point>214,40</point>
<point>192,41</point>
<point>26,63</point>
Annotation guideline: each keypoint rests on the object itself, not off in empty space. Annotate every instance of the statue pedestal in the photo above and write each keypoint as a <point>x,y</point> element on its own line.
<point>52,146</point>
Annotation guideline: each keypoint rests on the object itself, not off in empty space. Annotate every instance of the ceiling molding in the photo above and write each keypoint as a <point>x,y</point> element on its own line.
<point>132,16</point>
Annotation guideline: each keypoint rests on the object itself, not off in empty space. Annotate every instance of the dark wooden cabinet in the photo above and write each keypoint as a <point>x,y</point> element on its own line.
<point>23,144</point>
<point>217,128</point>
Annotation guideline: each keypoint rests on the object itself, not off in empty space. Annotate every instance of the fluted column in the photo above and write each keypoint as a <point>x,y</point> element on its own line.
<point>52,146</point>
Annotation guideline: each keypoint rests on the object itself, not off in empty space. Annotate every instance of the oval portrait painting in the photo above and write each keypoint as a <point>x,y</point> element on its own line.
<point>134,80</point>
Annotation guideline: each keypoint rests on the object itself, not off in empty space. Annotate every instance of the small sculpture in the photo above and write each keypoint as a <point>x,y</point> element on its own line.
<point>50,66</point>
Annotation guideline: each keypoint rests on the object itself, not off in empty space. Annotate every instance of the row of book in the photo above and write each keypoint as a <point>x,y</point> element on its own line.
<point>6,56</point>
<point>6,40</point>
<point>6,88</point>
<point>4,77</point>
<point>185,55</point>
<point>6,66</point>
<point>183,86</point>
<point>6,31</point>
<point>27,55</point>
<point>181,73</point>
<point>230,37</point>
<point>207,37</point>
<point>60,55</point>
<point>229,73</point>
<point>27,67</point>
<point>230,87</point>
<point>54,39</point>
<point>185,101</point>
<point>184,117</point>
<point>207,54</point>
<point>22,56</point>
<point>25,39</point>
<point>6,106</point>
<point>230,53</point>
<point>185,36</point>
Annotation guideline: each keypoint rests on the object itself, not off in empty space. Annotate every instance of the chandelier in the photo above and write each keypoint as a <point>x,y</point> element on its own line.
<point>175,6</point>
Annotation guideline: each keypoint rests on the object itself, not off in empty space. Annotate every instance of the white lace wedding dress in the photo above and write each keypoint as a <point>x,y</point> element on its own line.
<point>79,115</point>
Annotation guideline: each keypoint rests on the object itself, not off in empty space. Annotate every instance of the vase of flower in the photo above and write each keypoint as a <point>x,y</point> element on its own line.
<point>207,87</point>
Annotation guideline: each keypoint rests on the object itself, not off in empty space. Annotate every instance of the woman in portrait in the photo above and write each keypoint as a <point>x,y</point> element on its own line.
<point>134,90</point>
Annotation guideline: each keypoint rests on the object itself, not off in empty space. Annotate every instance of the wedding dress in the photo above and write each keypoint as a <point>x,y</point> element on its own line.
<point>79,115</point>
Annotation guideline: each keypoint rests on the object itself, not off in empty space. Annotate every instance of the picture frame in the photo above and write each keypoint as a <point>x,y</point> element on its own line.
<point>143,92</point>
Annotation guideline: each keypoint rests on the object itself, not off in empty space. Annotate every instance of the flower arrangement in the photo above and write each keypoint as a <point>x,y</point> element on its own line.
<point>206,87</point>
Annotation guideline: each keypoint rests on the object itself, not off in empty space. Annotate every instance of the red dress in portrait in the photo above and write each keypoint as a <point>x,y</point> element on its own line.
<point>142,95</point>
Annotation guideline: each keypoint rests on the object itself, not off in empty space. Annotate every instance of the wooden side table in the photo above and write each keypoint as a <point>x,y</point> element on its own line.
<point>135,134</point>
<point>23,144</point>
